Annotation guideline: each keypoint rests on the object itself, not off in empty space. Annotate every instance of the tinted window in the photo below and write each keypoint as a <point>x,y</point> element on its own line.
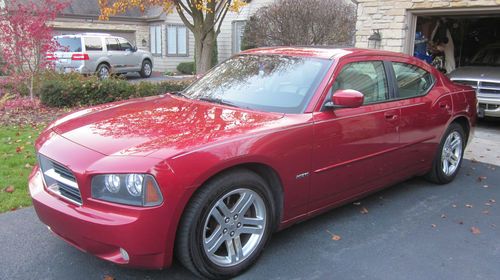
<point>93,44</point>
<point>489,56</point>
<point>262,82</point>
<point>368,77</point>
<point>69,44</point>
<point>411,80</point>
<point>112,44</point>
<point>124,44</point>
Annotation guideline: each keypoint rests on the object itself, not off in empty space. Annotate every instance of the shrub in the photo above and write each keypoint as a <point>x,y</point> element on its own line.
<point>69,90</point>
<point>187,68</point>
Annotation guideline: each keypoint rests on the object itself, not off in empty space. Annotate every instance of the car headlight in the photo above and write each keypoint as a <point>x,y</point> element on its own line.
<point>129,189</point>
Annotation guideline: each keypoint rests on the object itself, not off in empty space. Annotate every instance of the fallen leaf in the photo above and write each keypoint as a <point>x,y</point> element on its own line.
<point>357,203</point>
<point>336,237</point>
<point>487,204</point>
<point>19,149</point>
<point>9,189</point>
<point>492,201</point>
<point>468,205</point>
<point>481,178</point>
<point>433,225</point>
<point>475,230</point>
<point>454,205</point>
<point>443,216</point>
<point>485,186</point>
<point>363,210</point>
<point>460,222</point>
<point>486,212</point>
<point>27,165</point>
<point>18,140</point>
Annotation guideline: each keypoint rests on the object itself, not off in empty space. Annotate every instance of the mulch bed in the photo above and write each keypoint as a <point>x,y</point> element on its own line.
<point>24,112</point>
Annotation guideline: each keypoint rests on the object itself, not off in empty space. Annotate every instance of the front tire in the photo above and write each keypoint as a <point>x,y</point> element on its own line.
<point>226,225</point>
<point>147,69</point>
<point>448,159</point>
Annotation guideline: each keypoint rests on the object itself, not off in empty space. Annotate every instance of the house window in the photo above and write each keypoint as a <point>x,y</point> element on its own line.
<point>177,40</point>
<point>155,39</point>
<point>238,31</point>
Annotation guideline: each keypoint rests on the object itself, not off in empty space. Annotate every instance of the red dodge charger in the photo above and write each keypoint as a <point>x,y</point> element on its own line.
<point>266,139</point>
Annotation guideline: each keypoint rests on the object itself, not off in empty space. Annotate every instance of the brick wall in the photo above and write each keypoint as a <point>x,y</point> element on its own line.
<point>391,18</point>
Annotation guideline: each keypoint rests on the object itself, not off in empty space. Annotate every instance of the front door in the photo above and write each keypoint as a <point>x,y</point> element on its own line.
<point>355,148</point>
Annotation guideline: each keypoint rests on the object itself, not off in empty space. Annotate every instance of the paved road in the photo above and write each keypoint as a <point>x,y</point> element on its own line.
<point>414,230</point>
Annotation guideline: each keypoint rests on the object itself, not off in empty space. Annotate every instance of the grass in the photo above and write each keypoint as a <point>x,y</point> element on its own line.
<point>17,157</point>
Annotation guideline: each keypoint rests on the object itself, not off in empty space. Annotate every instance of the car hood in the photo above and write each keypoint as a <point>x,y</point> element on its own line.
<point>173,125</point>
<point>488,73</point>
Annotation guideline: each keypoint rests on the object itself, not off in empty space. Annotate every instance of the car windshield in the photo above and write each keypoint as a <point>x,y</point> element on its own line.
<point>271,83</point>
<point>65,44</point>
<point>488,57</point>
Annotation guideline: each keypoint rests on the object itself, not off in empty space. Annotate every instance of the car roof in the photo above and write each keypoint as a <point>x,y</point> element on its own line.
<point>87,35</point>
<point>322,52</point>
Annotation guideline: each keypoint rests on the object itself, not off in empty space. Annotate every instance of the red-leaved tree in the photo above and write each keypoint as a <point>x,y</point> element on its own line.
<point>26,38</point>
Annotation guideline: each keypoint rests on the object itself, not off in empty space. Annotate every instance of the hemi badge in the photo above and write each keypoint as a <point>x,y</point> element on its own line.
<point>302,175</point>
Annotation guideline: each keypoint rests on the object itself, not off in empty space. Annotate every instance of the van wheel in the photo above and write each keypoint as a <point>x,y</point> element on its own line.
<point>226,225</point>
<point>146,69</point>
<point>449,156</point>
<point>103,71</point>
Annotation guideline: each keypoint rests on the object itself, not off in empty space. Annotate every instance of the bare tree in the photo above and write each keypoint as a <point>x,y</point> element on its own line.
<point>304,22</point>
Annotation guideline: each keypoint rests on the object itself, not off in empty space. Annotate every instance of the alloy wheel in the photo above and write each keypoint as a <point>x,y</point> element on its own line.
<point>451,154</point>
<point>234,227</point>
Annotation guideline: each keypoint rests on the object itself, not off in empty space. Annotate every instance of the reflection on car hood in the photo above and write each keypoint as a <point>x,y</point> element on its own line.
<point>143,126</point>
<point>487,73</point>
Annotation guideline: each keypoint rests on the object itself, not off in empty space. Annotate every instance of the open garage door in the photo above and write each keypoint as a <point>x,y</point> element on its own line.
<point>129,35</point>
<point>469,30</point>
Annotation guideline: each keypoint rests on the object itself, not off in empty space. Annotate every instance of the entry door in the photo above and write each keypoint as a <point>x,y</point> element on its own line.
<point>355,148</point>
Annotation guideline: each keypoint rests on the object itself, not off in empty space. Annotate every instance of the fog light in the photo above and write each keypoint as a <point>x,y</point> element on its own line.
<point>124,254</point>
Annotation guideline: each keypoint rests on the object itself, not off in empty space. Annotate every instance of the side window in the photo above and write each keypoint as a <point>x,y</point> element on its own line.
<point>112,44</point>
<point>367,77</point>
<point>93,44</point>
<point>412,80</point>
<point>124,44</point>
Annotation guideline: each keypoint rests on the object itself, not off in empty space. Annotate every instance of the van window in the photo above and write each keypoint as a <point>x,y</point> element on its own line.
<point>65,44</point>
<point>124,44</point>
<point>112,44</point>
<point>93,44</point>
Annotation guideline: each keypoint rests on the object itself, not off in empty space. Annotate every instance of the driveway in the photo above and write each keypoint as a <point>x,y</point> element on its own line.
<point>414,230</point>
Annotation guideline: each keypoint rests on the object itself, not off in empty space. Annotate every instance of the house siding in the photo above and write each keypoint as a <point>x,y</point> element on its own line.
<point>391,18</point>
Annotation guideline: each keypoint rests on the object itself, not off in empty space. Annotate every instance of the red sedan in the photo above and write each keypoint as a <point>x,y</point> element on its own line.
<point>268,138</point>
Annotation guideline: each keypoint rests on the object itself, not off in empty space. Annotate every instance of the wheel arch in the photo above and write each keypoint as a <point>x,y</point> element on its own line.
<point>464,122</point>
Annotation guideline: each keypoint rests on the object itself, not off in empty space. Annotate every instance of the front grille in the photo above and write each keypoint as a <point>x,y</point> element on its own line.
<point>488,106</point>
<point>482,87</point>
<point>60,180</point>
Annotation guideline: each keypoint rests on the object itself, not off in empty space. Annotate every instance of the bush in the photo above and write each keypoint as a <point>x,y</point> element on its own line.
<point>188,68</point>
<point>69,90</point>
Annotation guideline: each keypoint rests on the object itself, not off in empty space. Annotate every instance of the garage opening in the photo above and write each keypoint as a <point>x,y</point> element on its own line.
<point>451,39</point>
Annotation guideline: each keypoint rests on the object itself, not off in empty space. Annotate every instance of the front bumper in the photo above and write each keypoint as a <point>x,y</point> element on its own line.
<point>102,233</point>
<point>488,107</point>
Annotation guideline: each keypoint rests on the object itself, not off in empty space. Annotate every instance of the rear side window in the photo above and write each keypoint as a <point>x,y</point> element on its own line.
<point>411,80</point>
<point>69,44</point>
<point>367,77</point>
<point>93,44</point>
<point>112,44</point>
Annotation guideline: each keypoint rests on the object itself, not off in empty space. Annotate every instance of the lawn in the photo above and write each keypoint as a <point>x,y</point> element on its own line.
<point>17,157</point>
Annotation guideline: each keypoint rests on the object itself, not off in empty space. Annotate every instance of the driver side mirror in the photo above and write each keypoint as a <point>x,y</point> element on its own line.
<point>346,98</point>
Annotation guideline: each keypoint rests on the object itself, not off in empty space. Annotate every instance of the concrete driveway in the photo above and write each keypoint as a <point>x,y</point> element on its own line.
<point>414,230</point>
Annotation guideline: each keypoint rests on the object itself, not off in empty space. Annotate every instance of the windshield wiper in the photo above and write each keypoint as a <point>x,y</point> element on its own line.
<point>179,93</point>
<point>218,101</point>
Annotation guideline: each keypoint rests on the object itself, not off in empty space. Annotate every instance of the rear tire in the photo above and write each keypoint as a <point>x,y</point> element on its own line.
<point>448,159</point>
<point>103,71</point>
<point>147,69</point>
<point>226,225</point>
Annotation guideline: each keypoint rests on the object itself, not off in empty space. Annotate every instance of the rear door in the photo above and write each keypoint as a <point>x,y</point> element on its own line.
<point>356,149</point>
<point>426,107</point>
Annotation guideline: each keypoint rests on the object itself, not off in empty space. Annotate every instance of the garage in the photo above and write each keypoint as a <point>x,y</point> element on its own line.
<point>450,39</point>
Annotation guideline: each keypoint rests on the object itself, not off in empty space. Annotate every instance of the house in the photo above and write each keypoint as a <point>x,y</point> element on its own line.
<point>164,35</point>
<point>402,26</point>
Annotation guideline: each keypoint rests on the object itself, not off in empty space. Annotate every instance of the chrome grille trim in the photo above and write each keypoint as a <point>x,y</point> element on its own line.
<point>59,180</point>
<point>487,88</point>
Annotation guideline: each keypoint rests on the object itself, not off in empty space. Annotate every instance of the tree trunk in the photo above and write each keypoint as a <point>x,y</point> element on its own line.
<point>204,48</point>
